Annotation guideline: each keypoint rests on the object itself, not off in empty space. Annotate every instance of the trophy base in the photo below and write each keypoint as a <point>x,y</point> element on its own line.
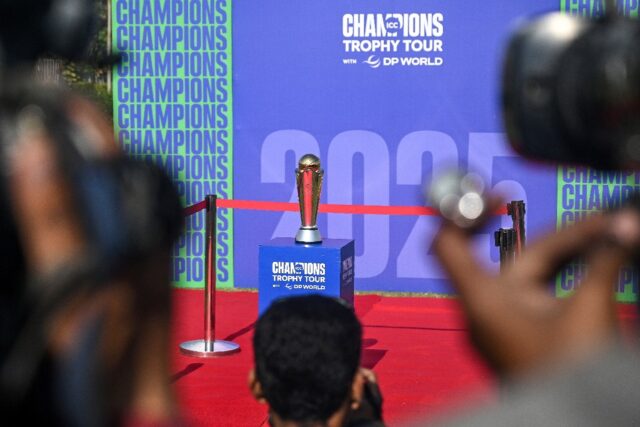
<point>323,268</point>
<point>308,235</point>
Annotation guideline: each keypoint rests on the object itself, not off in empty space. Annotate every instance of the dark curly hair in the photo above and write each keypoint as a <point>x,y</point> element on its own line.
<point>307,352</point>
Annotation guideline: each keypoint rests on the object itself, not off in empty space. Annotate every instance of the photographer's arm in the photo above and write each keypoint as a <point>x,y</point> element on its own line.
<point>514,321</point>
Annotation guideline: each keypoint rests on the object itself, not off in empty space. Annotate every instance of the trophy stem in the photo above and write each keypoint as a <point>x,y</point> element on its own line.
<point>309,194</point>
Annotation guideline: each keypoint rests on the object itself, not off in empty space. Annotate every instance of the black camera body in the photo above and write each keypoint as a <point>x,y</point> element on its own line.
<point>571,90</point>
<point>31,28</point>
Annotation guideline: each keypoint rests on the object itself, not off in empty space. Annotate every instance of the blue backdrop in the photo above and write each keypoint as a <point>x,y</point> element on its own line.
<point>387,93</point>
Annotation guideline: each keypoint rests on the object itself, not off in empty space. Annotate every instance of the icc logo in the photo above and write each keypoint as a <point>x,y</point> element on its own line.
<point>299,268</point>
<point>392,25</point>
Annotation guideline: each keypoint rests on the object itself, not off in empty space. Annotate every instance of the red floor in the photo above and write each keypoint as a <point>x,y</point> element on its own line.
<point>417,346</point>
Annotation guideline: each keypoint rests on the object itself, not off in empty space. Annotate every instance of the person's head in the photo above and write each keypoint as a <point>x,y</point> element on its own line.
<point>84,302</point>
<point>307,353</point>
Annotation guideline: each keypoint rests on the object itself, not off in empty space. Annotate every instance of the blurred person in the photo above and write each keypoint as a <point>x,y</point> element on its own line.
<point>561,360</point>
<point>570,92</point>
<point>85,340</point>
<point>307,353</point>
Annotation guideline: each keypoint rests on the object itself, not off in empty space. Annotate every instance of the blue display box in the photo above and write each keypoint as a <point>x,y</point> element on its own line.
<point>287,268</point>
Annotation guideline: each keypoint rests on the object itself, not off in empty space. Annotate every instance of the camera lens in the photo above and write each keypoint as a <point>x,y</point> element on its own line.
<point>571,91</point>
<point>458,197</point>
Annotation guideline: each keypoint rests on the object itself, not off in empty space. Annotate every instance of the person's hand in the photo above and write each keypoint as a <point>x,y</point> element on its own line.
<point>516,323</point>
<point>366,408</point>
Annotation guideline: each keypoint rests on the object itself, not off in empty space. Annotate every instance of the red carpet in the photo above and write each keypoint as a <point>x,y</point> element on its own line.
<point>417,346</point>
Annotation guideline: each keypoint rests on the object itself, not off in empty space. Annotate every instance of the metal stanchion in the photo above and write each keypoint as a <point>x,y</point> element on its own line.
<point>209,346</point>
<point>511,241</point>
<point>516,211</point>
<point>504,239</point>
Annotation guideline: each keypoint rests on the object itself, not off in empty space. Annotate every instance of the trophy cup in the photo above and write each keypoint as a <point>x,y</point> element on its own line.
<point>309,264</point>
<point>309,182</point>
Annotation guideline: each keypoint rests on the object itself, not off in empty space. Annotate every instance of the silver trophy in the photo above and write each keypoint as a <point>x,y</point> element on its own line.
<point>309,181</point>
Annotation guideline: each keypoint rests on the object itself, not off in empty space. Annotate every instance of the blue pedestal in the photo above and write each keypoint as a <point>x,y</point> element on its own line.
<point>287,268</point>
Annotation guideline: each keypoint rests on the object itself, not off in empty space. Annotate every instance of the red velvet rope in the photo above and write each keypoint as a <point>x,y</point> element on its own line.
<point>324,208</point>
<point>327,208</point>
<point>190,210</point>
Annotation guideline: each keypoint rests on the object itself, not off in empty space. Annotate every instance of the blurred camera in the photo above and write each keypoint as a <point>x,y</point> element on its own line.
<point>571,90</point>
<point>32,28</point>
<point>128,212</point>
<point>460,198</point>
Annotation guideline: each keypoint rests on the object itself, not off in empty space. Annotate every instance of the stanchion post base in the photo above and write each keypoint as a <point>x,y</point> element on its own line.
<point>197,348</point>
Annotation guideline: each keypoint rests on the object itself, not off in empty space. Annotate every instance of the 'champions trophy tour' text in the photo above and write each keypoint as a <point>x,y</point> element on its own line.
<point>299,275</point>
<point>393,39</point>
